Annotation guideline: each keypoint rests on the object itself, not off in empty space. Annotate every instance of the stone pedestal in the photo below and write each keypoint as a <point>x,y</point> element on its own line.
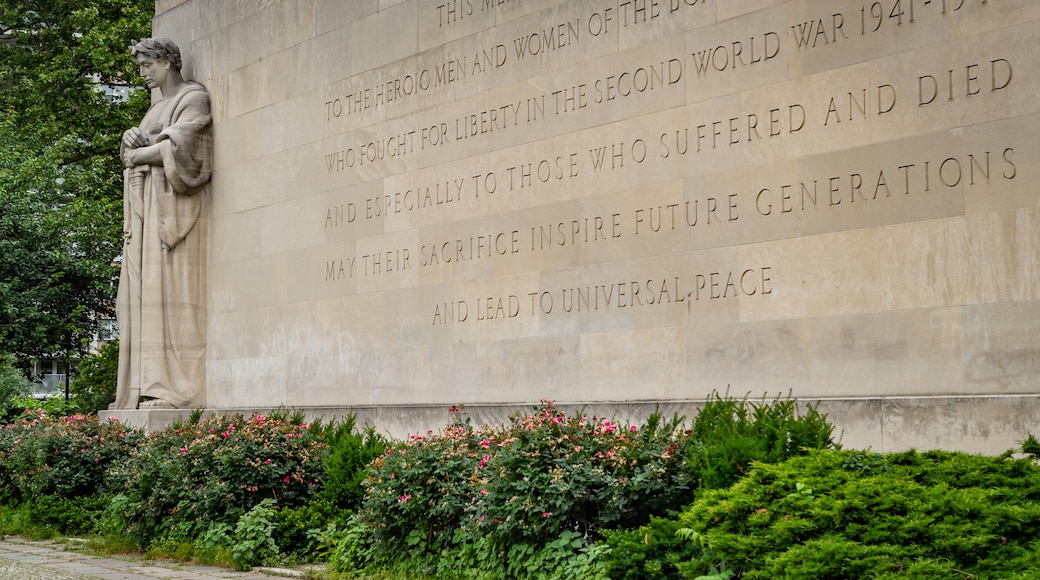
<point>150,420</point>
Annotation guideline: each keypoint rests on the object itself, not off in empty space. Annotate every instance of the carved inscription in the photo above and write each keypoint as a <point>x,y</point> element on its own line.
<point>816,193</point>
<point>556,37</point>
<point>731,127</point>
<point>682,291</point>
<point>668,73</point>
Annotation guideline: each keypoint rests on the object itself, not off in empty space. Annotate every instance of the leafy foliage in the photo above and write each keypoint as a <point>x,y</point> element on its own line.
<point>504,501</point>
<point>729,435</point>
<point>1031,446</point>
<point>53,405</point>
<point>184,479</point>
<point>69,515</point>
<point>253,540</point>
<point>306,532</point>
<point>13,384</point>
<point>728,438</point>
<point>43,456</point>
<point>94,388</point>
<point>60,179</point>
<point>929,515</point>
<point>350,452</point>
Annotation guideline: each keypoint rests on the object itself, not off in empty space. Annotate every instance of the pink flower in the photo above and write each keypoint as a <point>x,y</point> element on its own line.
<point>631,428</point>
<point>267,462</point>
<point>546,514</point>
<point>577,447</point>
<point>484,460</point>
<point>184,450</point>
<point>484,443</point>
<point>286,479</point>
<point>404,498</point>
<point>483,492</point>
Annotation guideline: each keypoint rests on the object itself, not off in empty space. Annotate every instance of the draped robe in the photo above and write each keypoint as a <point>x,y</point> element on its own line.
<point>161,303</point>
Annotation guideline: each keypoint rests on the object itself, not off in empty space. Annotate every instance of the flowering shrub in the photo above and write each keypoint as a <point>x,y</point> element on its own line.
<point>545,479</point>
<point>45,456</point>
<point>191,476</point>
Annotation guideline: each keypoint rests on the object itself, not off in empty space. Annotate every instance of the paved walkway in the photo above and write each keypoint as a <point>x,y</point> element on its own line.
<point>21,559</point>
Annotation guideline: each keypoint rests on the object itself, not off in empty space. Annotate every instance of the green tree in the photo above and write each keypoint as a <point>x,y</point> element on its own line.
<point>12,385</point>
<point>94,387</point>
<point>60,177</point>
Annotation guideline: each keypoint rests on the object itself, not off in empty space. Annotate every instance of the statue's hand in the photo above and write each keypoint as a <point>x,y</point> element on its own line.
<point>128,157</point>
<point>134,137</point>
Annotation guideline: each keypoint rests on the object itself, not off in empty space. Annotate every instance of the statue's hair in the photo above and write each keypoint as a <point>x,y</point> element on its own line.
<point>163,48</point>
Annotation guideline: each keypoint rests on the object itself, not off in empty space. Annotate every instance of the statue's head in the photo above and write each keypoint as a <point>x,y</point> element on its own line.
<point>159,49</point>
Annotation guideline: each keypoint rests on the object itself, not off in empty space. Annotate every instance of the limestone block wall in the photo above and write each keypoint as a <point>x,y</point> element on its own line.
<point>619,202</point>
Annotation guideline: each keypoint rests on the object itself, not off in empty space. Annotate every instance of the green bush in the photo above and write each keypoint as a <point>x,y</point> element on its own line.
<point>94,387</point>
<point>304,532</point>
<point>43,456</point>
<point>349,454</point>
<point>648,552</point>
<point>69,515</point>
<point>190,476</point>
<point>53,405</point>
<point>834,514</point>
<point>254,536</point>
<point>729,435</point>
<point>13,385</point>
<point>496,501</point>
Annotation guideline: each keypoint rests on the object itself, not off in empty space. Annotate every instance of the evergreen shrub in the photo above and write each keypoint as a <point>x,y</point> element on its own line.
<point>727,439</point>
<point>853,514</point>
<point>306,531</point>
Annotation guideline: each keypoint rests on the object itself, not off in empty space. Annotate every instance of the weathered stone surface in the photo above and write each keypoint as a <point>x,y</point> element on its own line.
<point>612,203</point>
<point>161,305</point>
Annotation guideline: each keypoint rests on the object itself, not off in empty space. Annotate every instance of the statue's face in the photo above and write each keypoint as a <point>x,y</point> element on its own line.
<point>153,70</point>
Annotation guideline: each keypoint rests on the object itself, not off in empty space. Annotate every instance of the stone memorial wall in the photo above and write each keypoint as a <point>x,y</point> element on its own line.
<point>624,203</point>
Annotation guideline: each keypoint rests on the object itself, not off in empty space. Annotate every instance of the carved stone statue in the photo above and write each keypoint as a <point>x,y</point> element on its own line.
<point>161,305</point>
